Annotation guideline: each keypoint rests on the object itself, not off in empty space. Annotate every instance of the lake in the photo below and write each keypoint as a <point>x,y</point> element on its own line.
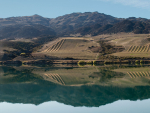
<point>72,89</point>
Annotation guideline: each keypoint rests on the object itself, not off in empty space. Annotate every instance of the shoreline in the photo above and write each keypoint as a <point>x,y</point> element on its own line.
<point>80,62</point>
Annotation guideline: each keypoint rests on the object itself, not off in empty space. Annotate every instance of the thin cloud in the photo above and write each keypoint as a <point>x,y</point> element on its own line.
<point>134,3</point>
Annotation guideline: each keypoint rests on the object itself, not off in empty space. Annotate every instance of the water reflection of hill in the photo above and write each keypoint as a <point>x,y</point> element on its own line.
<point>92,86</point>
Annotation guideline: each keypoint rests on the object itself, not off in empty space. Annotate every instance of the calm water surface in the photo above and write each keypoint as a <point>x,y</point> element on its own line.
<point>91,89</point>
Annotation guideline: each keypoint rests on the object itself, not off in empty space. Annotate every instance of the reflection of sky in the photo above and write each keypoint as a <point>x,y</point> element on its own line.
<point>55,107</point>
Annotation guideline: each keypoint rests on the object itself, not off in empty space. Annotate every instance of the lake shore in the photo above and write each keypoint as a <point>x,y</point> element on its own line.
<point>80,62</point>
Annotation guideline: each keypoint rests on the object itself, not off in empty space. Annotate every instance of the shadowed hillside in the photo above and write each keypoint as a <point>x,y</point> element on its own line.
<point>25,31</point>
<point>127,26</point>
<point>62,25</point>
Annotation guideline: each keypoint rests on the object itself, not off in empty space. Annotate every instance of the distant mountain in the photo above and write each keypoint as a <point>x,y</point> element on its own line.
<point>93,23</point>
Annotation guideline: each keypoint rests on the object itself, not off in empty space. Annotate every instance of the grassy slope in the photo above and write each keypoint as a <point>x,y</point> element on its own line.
<point>71,47</point>
<point>127,40</point>
<point>78,47</point>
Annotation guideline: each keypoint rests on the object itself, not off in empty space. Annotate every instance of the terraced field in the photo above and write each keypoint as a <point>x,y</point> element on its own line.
<point>55,47</point>
<point>77,48</point>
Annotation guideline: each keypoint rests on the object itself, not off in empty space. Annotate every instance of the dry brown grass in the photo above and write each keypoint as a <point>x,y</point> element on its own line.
<point>136,45</point>
<point>77,48</point>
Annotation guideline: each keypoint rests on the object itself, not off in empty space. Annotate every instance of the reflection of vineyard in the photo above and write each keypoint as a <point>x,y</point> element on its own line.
<point>139,48</point>
<point>55,47</point>
<point>54,77</point>
<point>138,74</point>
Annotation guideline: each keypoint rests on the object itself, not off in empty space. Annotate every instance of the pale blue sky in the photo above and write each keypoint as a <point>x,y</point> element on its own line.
<point>55,8</point>
<point>121,106</point>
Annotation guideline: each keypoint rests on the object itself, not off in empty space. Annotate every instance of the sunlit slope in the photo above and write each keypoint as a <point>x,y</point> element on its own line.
<point>77,48</point>
<point>135,45</point>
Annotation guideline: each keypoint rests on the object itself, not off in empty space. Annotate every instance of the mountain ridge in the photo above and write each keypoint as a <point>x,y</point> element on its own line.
<point>93,23</point>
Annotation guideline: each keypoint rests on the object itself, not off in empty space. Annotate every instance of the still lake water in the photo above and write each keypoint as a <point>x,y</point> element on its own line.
<point>73,89</point>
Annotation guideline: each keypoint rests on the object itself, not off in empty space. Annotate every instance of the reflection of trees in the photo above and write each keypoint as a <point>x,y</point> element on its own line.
<point>19,76</point>
<point>106,75</point>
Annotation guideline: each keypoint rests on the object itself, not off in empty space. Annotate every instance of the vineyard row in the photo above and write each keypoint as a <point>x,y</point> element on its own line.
<point>139,48</point>
<point>56,46</point>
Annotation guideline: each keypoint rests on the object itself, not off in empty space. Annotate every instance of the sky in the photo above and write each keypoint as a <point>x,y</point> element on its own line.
<point>55,8</point>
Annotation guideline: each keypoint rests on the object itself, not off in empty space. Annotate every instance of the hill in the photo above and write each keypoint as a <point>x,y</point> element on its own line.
<point>76,48</point>
<point>25,31</point>
<point>127,26</point>
<point>93,23</point>
<point>71,22</point>
<point>24,20</point>
<point>62,25</point>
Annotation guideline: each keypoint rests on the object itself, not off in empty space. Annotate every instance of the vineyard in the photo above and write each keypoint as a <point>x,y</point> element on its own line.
<point>55,47</point>
<point>138,74</point>
<point>77,48</point>
<point>139,48</point>
<point>54,77</point>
